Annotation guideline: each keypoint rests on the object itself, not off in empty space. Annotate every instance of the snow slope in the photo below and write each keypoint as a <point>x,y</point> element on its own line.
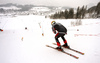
<point>18,45</point>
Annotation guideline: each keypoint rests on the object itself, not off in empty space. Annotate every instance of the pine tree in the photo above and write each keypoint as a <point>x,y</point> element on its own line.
<point>62,14</point>
<point>71,13</point>
<point>66,14</point>
<point>77,13</point>
<point>83,11</point>
<point>98,9</point>
<point>2,10</point>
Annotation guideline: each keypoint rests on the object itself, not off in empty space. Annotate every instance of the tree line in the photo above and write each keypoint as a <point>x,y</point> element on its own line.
<point>81,13</point>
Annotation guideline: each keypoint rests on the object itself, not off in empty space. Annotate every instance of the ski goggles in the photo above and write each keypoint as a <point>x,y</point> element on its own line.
<point>52,22</point>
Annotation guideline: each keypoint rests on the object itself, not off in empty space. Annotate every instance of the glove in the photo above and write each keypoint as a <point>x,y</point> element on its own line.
<point>54,31</point>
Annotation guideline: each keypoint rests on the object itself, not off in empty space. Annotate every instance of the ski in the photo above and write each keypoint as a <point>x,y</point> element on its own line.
<point>63,52</point>
<point>72,50</point>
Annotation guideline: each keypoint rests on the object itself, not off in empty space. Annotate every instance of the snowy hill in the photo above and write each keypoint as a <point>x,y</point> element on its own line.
<point>40,9</point>
<point>10,8</point>
<point>29,9</point>
<point>20,45</point>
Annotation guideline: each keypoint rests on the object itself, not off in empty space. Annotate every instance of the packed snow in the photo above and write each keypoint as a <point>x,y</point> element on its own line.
<point>21,45</point>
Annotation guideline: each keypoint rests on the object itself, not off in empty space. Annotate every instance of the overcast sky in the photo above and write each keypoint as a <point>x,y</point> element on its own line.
<point>70,3</point>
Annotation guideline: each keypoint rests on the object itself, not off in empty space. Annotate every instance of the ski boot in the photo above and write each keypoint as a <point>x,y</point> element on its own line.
<point>59,48</point>
<point>66,46</point>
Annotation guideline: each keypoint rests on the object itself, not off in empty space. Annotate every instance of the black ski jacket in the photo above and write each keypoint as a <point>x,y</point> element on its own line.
<point>59,27</point>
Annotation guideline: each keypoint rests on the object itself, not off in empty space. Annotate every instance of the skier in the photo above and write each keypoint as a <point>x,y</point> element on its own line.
<point>60,31</point>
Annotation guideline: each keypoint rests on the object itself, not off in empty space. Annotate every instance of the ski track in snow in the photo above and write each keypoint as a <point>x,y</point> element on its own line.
<point>18,45</point>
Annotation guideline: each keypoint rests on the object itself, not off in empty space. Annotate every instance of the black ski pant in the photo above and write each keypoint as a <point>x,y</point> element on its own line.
<point>59,35</point>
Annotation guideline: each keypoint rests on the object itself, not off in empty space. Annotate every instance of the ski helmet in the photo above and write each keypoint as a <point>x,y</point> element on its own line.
<point>53,22</point>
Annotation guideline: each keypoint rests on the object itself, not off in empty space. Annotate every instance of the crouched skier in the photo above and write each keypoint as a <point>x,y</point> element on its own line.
<point>60,31</point>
